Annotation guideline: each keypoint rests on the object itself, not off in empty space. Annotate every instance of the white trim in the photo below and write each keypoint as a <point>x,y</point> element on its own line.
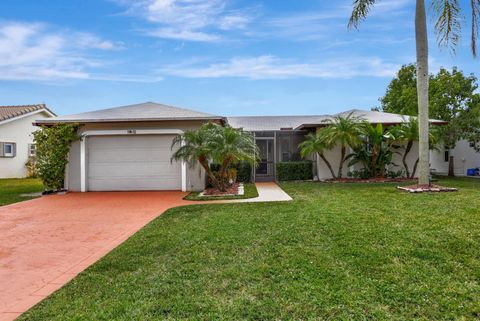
<point>26,115</point>
<point>126,132</point>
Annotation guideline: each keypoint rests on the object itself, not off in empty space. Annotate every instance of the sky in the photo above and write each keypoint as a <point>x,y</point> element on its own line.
<point>225,57</point>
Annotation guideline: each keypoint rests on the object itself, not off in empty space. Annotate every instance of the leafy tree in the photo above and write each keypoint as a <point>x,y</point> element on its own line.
<point>213,143</point>
<point>316,143</point>
<point>52,148</point>
<point>401,96</point>
<point>343,130</point>
<point>447,27</point>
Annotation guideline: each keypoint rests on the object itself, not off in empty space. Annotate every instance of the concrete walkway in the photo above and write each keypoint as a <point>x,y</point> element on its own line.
<point>267,192</point>
<point>46,242</point>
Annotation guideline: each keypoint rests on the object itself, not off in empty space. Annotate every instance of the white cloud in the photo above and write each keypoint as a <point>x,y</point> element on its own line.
<point>187,20</point>
<point>32,51</point>
<point>270,67</point>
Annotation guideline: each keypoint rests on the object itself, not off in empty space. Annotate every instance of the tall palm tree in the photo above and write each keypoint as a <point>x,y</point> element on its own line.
<point>447,27</point>
<point>343,130</point>
<point>316,143</point>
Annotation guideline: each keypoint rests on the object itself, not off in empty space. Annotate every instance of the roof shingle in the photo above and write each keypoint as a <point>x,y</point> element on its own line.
<point>8,112</point>
<point>148,111</point>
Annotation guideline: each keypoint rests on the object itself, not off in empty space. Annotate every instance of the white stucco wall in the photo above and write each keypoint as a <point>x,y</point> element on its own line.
<point>18,131</point>
<point>465,157</point>
<point>333,156</point>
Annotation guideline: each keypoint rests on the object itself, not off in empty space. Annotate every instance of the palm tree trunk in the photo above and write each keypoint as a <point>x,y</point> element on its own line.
<point>414,171</point>
<point>204,163</point>
<point>328,164</point>
<point>421,37</point>
<point>404,158</point>
<point>342,160</point>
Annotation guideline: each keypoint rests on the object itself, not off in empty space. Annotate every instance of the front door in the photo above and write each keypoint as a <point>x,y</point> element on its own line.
<point>266,167</point>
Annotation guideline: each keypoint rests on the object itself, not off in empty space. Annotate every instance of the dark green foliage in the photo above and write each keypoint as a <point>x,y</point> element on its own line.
<point>244,172</point>
<point>292,171</point>
<point>52,148</point>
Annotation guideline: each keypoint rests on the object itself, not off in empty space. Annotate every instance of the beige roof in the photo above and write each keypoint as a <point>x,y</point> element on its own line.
<point>270,123</point>
<point>373,117</point>
<point>148,111</point>
<point>8,112</point>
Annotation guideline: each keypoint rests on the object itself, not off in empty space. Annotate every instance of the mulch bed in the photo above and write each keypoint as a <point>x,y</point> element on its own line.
<point>370,180</point>
<point>432,188</point>
<point>212,191</point>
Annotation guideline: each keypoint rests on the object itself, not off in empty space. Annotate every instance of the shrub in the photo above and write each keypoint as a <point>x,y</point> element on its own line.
<point>289,171</point>
<point>244,172</point>
<point>31,165</point>
<point>52,148</point>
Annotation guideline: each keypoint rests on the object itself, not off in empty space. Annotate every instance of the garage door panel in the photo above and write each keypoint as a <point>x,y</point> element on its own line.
<point>133,169</point>
<point>140,162</point>
<point>129,155</point>
<point>145,184</point>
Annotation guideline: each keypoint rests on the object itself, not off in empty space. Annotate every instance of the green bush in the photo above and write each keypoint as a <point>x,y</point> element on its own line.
<point>290,171</point>
<point>244,172</point>
<point>52,148</point>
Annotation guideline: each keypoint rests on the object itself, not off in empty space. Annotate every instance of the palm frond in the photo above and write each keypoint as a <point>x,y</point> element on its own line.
<point>360,11</point>
<point>448,22</point>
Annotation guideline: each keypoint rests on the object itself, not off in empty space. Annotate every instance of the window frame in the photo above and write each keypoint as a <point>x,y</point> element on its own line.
<point>11,154</point>
<point>30,146</point>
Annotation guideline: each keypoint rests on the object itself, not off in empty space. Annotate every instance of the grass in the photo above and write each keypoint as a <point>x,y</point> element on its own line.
<point>11,189</point>
<point>338,251</point>
<point>250,191</point>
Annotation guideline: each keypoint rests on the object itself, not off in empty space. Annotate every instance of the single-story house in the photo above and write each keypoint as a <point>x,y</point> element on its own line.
<point>16,139</point>
<point>129,147</point>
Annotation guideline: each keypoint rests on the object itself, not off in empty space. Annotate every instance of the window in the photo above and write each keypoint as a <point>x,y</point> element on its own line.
<point>446,155</point>
<point>8,149</point>
<point>32,149</point>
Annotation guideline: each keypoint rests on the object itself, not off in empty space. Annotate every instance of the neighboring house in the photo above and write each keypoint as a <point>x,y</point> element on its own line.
<point>464,157</point>
<point>16,139</point>
<point>129,147</point>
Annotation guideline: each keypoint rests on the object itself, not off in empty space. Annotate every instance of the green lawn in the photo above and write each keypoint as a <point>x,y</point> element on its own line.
<point>338,251</point>
<point>250,191</point>
<point>12,188</point>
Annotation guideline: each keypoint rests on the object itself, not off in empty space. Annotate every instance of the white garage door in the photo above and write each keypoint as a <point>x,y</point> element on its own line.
<point>132,163</point>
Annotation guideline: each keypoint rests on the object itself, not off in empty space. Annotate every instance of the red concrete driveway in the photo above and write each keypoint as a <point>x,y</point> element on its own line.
<point>46,242</point>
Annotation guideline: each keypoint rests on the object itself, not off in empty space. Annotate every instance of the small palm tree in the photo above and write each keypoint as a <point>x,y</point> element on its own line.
<point>213,143</point>
<point>316,143</point>
<point>447,27</point>
<point>230,146</point>
<point>195,146</point>
<point>345,131</point>
<point>407,135</point>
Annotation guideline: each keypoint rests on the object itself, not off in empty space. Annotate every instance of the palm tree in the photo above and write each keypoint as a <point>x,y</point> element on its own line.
<point>213,143</point>
<point>195,146</point>
<point>230,146</point>
<point>344,131</point>
<point>447,27</point>
<point>316,143</point>
<point>408,135</point>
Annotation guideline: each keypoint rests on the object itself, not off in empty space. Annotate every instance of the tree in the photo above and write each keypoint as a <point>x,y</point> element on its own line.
<point>316,143</point>
<point>408,135</point>
<point>447,27</point>
<point>344,131</point>
<point>401,95</point>
<point>213,143</point>
<point>453,98</point>
<point>52,148</point>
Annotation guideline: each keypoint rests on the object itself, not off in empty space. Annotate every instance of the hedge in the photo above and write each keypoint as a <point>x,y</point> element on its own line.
<point>291,171</point>
<point>244,171</point>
